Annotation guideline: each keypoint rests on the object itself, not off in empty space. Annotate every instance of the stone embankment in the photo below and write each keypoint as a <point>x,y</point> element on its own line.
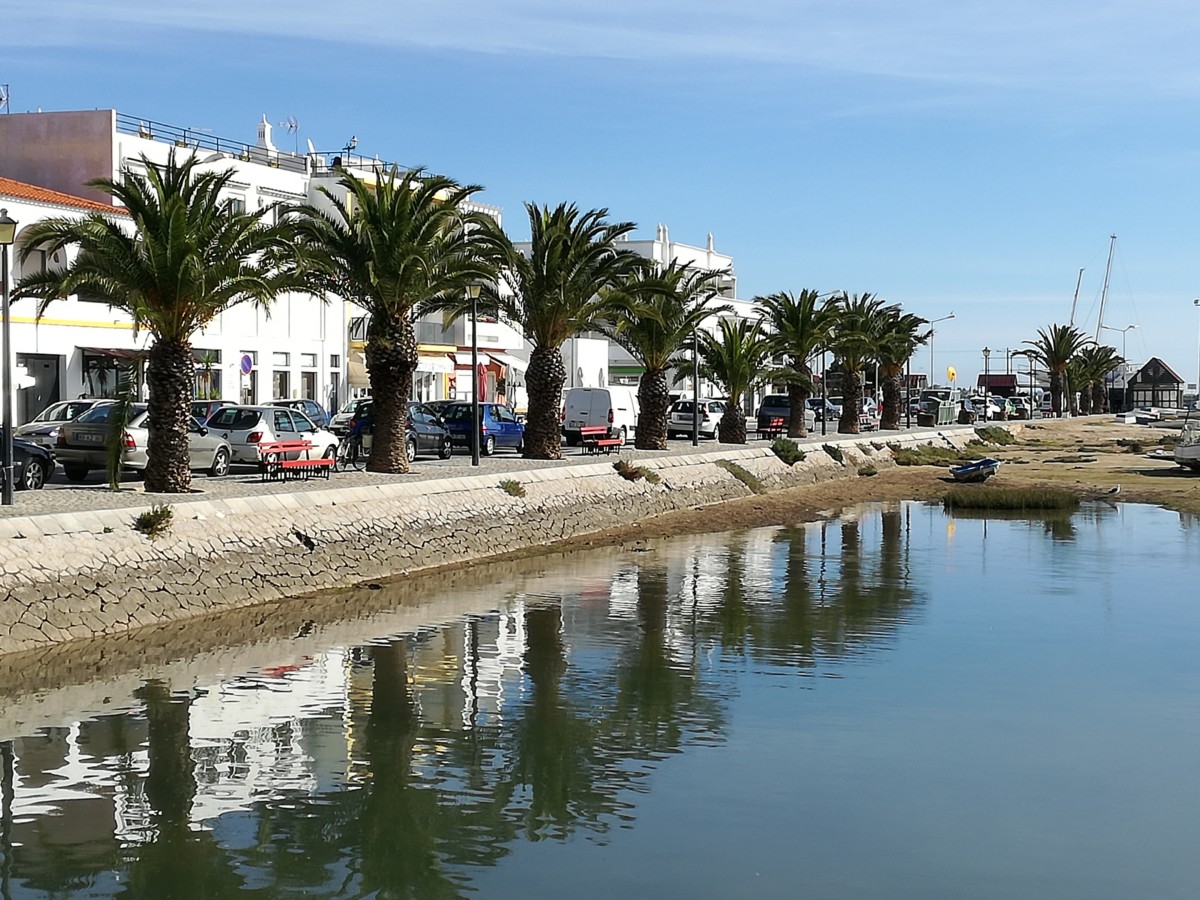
<point>65,577</point>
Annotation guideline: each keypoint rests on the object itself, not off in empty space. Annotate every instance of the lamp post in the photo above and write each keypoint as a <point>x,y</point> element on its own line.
<point>1125,359</point>
<point>696,388</point>
<point>987,355</point>
<point>473,294</point>
<point>932,370</point>
<point>8,234</point>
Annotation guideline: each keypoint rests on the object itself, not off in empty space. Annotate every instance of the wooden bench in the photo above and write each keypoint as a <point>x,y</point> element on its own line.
<point>273,461</point>
<point>776,426</point>
<point>595,439</point>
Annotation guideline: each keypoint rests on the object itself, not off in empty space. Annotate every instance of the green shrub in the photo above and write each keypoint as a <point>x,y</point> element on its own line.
<point>834,451</point>
<point>154,522</point>
<point>749,479</point>
<point>787,450</point>
<point>630,472</point>
<point>994,434</point>
<point>1009,499</point>
<point>929,455</point>
<point>512,487</point>
<point>867,471</point>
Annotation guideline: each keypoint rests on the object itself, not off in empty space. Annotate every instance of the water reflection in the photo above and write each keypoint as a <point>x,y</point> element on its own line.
<point>411,762</point>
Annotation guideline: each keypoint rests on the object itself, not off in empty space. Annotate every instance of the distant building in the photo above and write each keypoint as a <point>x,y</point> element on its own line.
<point>1156,384</point>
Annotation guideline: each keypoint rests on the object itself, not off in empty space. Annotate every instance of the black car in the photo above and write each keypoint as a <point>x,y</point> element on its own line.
<point>425,430</point>
<point>33,465</point>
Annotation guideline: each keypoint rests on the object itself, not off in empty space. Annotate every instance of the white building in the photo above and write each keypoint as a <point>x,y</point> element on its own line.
<point>303,347</point>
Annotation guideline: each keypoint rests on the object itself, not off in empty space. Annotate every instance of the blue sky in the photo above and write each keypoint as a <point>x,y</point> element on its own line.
<point>949,156</point>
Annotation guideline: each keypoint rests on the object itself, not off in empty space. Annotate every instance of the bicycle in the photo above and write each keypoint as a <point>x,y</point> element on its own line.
<point>353,452</point>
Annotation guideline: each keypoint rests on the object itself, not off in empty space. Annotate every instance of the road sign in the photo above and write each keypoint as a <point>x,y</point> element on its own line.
<point>247,364</point>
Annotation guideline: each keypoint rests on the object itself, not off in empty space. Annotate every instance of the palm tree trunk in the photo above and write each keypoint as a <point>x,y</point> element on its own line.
<point>890,421</point>
<point>170,373</point>
<point>797,403</point>
<point>391,361</point>
<point>851,402</point>
<point>1085,400</point>
<point>654,405</point>
<point>1100,397</point>
<point>1056,392</point>
<point>543,425</point>
<point>733,422</point>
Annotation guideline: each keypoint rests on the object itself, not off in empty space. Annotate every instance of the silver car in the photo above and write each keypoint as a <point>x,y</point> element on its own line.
<point>679,420</point>
<point>43,428</point>
<point>82,444</point>
<point>245,427</point>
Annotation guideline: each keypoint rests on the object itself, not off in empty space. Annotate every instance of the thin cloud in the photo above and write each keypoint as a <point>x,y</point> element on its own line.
<point>1069,45</point>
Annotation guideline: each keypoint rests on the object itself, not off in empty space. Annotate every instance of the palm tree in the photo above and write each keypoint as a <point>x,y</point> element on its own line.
<point>188,256</point>
<point>800,326</point>
<point>733,358</point>
<point>653,314</point>
<point>393,245</point>
<point>855,344</point>
<point>1098,362</point>
<point>1054,348</point>
<point>555,294</point>
<point>899,337</point>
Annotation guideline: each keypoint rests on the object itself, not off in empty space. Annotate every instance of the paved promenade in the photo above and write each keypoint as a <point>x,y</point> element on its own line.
<point>61,496</point>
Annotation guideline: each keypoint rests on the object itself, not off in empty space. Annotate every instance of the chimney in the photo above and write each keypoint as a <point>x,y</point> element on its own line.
<point>264,136</point>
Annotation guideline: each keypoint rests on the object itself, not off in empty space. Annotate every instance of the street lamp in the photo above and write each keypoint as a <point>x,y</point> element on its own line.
<point>473,295</point>
<point>932,370</point>
<point>8,234</point>
<point>1125,359</point>
<point>987,374</point>
<point>696,388</point>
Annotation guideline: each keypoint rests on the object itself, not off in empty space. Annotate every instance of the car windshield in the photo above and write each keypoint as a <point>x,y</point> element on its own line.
<point>776,400</point>
<point>62,411</point>
<point>457,413</point>
<point>683,406</point>
<point>100,414</point>
<point>234,419</point>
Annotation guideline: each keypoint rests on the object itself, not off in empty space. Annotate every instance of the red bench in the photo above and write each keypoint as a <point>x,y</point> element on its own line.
<point>595,438</point>
<point>274,463</point>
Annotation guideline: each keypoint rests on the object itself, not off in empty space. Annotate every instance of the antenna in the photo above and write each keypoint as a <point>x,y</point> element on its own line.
<point>292,126</point>
<point>4,94</point>
<point>350,145</point>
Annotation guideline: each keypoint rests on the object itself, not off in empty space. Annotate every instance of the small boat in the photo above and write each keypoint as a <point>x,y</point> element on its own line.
<point>980,470</point>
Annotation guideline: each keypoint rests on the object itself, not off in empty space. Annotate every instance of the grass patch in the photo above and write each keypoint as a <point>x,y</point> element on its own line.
<point>864,449</point>
<point>749,479</point>
<point>630,472</point>
<point>993,434</point>
<point>834,452</point>
<point>867,471</point>
<point>154,522</point>
<point>512,487</point>
<point>787,450</point>
<point>1010,499</point>
<point>1130,446</point>
<point>929,455</point>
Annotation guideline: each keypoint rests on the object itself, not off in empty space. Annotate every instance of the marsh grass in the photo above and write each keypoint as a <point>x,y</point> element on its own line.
<point>929,455</point>
<point>749,479</point>
<point>154,522</point>
<point>993,434</point>
<point>787,450</point>
<point>1010,499</point>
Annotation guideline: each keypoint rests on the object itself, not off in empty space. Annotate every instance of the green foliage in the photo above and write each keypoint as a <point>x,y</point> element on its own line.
<point>787,450</point>
<point>630,472</point>
<point>749,479</point>
<point>994,434</point>
<point>834,451</point>
<point>734,357</point>
<point>1009,499</point>
<point>867,471</point>
<point>929,455</point>
<point>154,522</point>
<point>512,487</point>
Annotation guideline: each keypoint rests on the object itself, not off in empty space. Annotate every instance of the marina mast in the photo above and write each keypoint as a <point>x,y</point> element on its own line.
<point>1112,245</point>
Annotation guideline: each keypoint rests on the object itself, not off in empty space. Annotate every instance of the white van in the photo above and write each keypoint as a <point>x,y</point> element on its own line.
<point>614,407</point>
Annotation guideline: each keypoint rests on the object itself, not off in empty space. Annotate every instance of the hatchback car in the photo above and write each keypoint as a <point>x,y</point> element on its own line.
<point>43,428</point>
<point>498,427</point>
<point>202,410</point>
<point>682,415</point>
<point>311,408</point>
<point>83,444</point>
<point>340,423</point>
<point>33,465</point>
<point>775,413</point>
<point>425,431</point>
<point>245,427</point>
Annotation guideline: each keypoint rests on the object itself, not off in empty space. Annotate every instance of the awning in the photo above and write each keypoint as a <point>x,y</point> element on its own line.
<point>439,365</point>
<point>356,373</point>
<point>116,352</point>
<point>463,360</point>
<point>507,360</point>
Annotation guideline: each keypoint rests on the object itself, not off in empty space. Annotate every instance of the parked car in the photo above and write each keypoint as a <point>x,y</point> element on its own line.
<point>43,428</point>
<point>1022,408</point>
<point>340,423</point>
<point>614,407</point>
<point>245,427</point>
<point>425,431</point>
<point>83,444</point>
<point>775,413</point>
<point>498,427</point>
<point>822,409</point>
<point>836,403</point>
<point>202,410</point>
<point>33,465</point>
<point>681,417</point>
<point>986,408</point>
<point>311,408</point>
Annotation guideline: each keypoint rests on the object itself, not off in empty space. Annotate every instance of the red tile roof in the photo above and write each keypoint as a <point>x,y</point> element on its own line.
<point>22,191</point>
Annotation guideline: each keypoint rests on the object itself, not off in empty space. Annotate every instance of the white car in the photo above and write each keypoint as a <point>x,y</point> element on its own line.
<point>679,421</point>
<point>245,427</point>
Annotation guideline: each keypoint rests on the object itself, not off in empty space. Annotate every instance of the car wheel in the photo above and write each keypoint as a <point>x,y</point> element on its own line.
<point>489,445</point>
<point>331,451</point>
<point>410,449</point>
<point>445,449</point>
<point>75,472</point>
<point>34,475</point>
<point>220,463</point>
<point>521,445</point>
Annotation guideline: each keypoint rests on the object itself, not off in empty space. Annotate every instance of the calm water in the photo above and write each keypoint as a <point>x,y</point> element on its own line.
<point>891,704</point>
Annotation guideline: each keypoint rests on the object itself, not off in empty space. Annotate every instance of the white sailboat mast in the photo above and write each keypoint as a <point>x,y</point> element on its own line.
<point>1112,245</point>
<point>1075,299</point>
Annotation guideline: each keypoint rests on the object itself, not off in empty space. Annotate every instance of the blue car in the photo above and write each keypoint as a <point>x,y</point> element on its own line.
<point>498,427</point>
